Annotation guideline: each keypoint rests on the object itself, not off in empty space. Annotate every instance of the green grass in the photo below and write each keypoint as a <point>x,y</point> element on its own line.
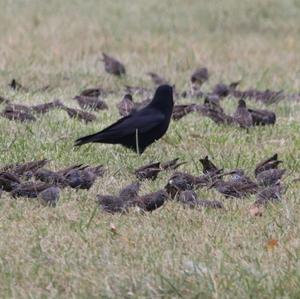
<point>70,251</point>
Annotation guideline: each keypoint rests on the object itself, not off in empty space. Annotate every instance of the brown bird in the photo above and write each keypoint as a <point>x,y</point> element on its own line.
<point>17,115</point>
<point>270,177</point>
<point>138,90</point>
<point>56,177</point>
<point>223,90</point>
<point>152,201</point>
<point>44,108</point>
<point>151,171</point>
<point>126,106</point>
<point>157,79</point>
<point>270,163</point>
<point>213,102</point>
<point>83,178</point>
<point>190,199</point>
<point>262,117</point>
<point>129,193</point>
<point>179,111</point>
<point>209,167</point>
<point>240,186</point>
<point>270,194</point>
<point>113,66</point>
<point>242,116</point>
<point>50,196</point>
<point>30,189</point>
<point>171,165</point>
<point>17,107</point>
<point>93,92</point>
<point>199,76</point>
<point>26,169</point>
<point>79,114</point>
<point>181,181</point>
<point>111,204</point>
<point>92,103</point>
<point>8,181</point>
<point>215,114</point>
<point>119,204</point>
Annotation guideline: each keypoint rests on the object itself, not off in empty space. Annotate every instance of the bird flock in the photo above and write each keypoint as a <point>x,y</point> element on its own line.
<point>143,123</point>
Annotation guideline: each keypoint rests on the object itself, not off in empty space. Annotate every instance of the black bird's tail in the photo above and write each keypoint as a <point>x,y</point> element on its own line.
<point>87,139</point>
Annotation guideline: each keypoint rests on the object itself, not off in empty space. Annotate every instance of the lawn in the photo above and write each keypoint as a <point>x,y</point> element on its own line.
<point>75,250</point>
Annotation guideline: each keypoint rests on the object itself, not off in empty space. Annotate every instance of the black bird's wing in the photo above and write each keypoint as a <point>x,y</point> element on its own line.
<point>141,122</point>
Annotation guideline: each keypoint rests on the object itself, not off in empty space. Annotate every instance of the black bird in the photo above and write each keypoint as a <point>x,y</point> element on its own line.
<point>141,128</point>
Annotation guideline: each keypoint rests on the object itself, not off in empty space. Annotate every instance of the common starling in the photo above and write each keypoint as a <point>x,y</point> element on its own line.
<point>79,114</point>
<point>44,108</point>
<point>111,204</point>
<point>113,66</point>
<point>270,163</point>
<point>199,76</point>
<point>58,177</point>
<point>270,194</point>
<point>25,169</point>
<point>126,106</point>
<point>270,177</point>
<point>190,199</point>
<point>92,103</point>
<point>242,116</point>
<point>215,114</point>
<point>179,111</point>
<point>235,188</point>
<point>140,129</point>
<point>17,115</point>
<point>81,179</point>
<point>209,167</point>
<point>181,181</point>
<point>262,117</point>
<point>152,201</point>
<point>17,107</point>
<point>49,196</point>
<point>8,181</point>
<point>93,92</point>
<point>157,79</point>
<point>30,189</point>
<point>149,171</point>
<point>51,177</point>
<point>129,193</point>
<point>171,165</point>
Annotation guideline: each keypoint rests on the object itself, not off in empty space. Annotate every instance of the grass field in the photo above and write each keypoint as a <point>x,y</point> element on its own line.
<point>71,251</point>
